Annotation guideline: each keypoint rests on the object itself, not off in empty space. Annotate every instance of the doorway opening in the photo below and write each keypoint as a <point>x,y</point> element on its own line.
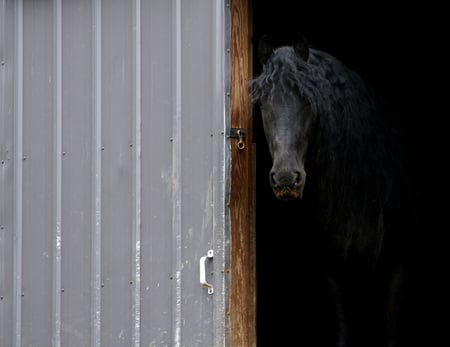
<point>368,39</point>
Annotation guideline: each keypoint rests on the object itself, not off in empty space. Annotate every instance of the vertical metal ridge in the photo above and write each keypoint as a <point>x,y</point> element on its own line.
<point>220,177</point>
<point>56,319</point>
<point>137,176</point>
<point>18,183</point>
<point>97,179</point>
<point>2,32</point>
<point>177,178</point>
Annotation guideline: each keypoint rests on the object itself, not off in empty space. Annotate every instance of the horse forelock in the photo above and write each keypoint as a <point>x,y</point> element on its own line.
<point>288,73</point>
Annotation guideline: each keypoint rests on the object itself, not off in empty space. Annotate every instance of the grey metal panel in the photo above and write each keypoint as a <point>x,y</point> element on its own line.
<point>197,72</point>
<point>7,58</point>
<point>117,173</point>
<point>158,81</point>
<point>38,173</point>
<point>77,168</point>
<point>125,177</point>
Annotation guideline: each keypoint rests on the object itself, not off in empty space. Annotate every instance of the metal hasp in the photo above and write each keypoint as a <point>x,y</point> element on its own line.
<point>239,134</point>
<point>203,281</point>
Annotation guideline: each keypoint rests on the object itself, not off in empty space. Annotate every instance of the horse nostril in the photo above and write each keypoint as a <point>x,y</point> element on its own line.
<point>273,182</point>
<point>285,178</point>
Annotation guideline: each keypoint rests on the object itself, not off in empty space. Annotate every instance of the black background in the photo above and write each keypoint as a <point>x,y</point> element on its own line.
<point>401,52</point>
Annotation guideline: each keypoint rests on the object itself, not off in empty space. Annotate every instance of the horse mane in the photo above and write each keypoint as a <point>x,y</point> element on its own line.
<point>354,152</point>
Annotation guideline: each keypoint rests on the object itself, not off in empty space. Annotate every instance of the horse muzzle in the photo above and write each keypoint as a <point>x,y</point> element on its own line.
<point>287,185</point>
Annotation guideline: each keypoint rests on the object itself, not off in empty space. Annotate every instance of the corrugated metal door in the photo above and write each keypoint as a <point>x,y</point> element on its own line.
<point>113,174</point>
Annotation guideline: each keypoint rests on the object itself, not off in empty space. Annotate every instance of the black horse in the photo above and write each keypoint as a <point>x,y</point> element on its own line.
<point>322,119</point>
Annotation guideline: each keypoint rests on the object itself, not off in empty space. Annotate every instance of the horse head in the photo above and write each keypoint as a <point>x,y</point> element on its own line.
<point>286,115</point>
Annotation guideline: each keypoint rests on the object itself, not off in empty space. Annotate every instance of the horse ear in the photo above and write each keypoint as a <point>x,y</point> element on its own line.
<point>265,49</point>
<point>301,46</point>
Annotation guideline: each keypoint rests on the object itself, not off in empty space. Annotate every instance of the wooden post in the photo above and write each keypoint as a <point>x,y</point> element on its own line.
<point>242,204</point>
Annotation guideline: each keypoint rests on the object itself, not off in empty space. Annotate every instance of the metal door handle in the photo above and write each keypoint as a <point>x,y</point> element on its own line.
<point>203,281</point>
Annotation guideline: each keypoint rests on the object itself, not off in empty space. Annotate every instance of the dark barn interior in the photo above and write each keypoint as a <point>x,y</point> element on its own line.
<point>390,48</point>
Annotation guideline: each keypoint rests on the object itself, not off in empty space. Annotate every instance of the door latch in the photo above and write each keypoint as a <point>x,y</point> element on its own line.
<point>239,134</point>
